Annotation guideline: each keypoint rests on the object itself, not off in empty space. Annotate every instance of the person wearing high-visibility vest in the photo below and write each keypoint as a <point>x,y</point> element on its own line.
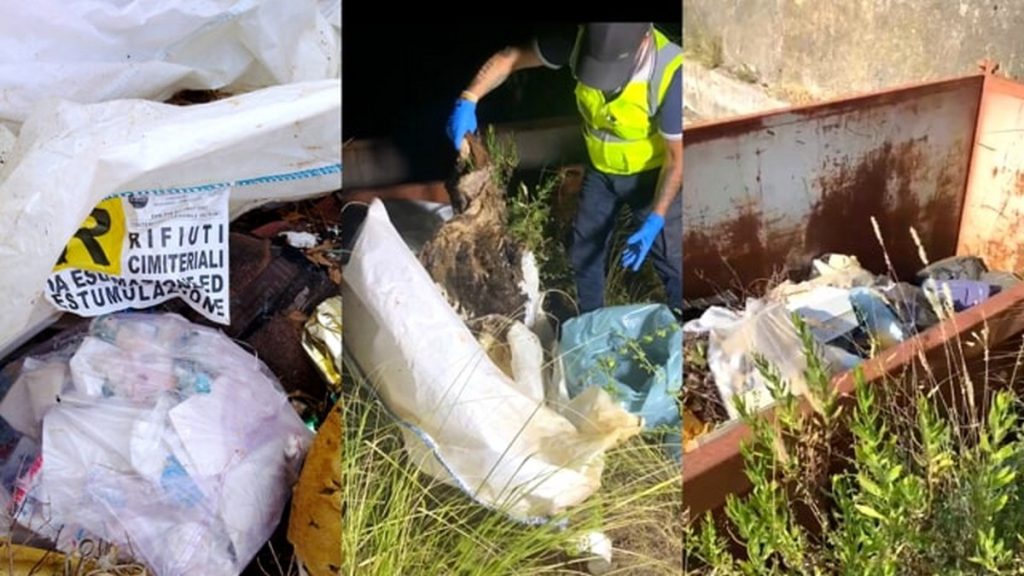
<point>629,95</point>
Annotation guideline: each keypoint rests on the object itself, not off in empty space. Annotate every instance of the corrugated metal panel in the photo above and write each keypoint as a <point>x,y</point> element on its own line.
<point>771,192</point>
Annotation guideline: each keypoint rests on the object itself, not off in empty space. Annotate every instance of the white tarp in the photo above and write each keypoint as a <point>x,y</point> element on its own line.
<point>91,51</point>
<point>279,143</point>
<point>468,423</point>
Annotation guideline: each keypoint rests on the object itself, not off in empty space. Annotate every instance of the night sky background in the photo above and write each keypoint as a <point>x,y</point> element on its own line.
<point>401,79</point>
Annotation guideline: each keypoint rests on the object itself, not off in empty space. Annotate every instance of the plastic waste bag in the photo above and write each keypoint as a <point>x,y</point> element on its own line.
<point>464,421</point>
<point>832,270</point>
<point>92,51</point>
<point>963,293</point>
<point>877,317</point>
<point>280,143</point>
<point>635,352</point>
<point>827,311</point>
<point>166,439</point>
<point>765,329</point>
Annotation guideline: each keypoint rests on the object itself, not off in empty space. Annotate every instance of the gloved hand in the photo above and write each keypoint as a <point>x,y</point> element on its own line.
<point>639,244</point>
<point>462,121</point>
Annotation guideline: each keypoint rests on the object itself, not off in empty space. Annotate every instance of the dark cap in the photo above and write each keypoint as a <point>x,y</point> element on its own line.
<point>606,53</point>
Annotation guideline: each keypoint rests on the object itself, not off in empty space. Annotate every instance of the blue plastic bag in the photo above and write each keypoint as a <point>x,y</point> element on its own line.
<point>634,352</point>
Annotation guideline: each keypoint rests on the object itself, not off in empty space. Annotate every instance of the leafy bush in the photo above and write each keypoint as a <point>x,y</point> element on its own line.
<point>930,488</point>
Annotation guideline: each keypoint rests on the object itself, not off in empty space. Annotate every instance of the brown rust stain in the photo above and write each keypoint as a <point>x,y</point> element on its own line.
<point>885,183</point>
<point>747,249</point>
<point>1000,241</point>
<point>738,254</point>
<point>1018,183</point>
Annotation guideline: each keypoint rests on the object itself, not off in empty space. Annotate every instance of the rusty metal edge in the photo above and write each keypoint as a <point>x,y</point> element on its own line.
<point>992,84</point>
<point>715,469</point>
<point>986,89</point>
<point>702,131</point>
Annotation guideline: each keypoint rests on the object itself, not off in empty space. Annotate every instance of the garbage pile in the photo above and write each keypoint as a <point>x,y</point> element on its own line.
<point>850,312</point>
<point>447,325</point>
<point>153,433</point>
<point>174,159</point>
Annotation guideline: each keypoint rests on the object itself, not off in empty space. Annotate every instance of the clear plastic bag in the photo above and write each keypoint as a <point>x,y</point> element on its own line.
<point>167,439</point>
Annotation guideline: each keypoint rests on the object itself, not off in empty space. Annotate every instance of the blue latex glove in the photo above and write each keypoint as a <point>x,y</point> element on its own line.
<point>639,244</point>
<point>462,121</point>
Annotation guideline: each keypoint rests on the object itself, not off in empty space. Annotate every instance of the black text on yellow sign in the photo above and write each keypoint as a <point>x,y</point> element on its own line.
<point>98,243</point>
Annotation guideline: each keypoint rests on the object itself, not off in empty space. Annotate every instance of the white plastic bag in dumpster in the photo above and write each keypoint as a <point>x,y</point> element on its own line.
<point>768,330</point>
<point>466,422</point>
<point>280,143</point>
<point>95,51</point>
<point>168,440</point>
<point>139,250</point>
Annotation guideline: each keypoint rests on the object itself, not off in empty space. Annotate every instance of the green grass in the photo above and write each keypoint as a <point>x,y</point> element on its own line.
<point>397,520</point>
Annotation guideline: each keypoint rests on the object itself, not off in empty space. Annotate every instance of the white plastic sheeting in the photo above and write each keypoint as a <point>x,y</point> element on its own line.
<point>467,423</point>
<point>279,143</point>
<point>90,51</point>
<point>166,439</point>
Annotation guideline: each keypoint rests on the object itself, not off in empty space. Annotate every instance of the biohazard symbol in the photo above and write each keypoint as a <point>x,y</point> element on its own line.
<point>98,243</point>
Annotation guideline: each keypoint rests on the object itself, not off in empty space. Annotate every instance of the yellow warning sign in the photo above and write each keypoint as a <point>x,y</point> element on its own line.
<point>98,243</point>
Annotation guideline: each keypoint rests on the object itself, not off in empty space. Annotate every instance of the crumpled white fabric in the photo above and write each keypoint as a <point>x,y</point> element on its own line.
<point>90,51</point>
<point>279,143</point>
<point>467,423</point>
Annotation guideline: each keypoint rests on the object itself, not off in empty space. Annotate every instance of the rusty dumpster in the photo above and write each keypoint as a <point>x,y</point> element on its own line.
<point>766,193</point>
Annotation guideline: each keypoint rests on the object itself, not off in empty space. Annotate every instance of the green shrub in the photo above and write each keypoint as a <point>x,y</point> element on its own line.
<point>926,491</point>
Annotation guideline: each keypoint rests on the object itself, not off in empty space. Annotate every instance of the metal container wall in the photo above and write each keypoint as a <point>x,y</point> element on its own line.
<point>946,158</point>
<point>993,217</point>
<point>771,192</point>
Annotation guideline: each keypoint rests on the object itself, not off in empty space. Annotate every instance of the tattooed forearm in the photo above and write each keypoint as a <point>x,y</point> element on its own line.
<point>499,67</point>
<point>493,72</point>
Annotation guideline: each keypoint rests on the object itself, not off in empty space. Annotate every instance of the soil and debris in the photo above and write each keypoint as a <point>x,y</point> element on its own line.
<point>472,256</point>
<point>702,405</point>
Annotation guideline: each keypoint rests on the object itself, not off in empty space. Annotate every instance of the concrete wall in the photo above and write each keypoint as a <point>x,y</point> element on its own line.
<point>831,47</point>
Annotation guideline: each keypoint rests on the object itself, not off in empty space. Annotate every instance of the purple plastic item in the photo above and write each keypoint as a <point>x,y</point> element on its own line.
<point>966,293</point>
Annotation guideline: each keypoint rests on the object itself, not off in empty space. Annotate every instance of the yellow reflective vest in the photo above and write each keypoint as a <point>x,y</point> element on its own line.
<point>622,135</point>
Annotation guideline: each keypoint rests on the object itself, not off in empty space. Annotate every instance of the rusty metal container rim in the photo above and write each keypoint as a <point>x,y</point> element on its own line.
<point>725,445</point>
<point>704,129</point>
